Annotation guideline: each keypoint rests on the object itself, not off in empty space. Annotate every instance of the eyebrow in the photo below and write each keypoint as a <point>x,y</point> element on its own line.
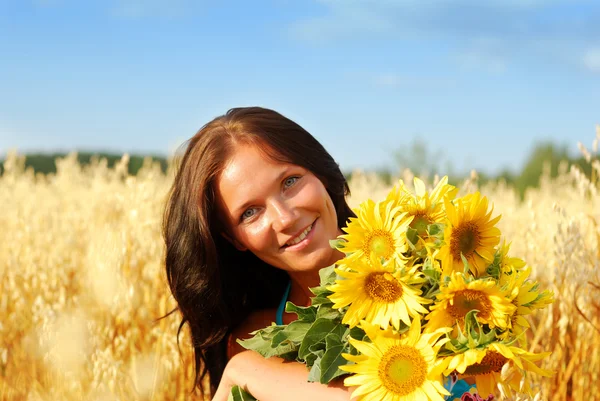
<point>244,206</point>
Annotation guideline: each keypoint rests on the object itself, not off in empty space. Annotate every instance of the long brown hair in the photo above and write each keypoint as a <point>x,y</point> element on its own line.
<point>215,285</point>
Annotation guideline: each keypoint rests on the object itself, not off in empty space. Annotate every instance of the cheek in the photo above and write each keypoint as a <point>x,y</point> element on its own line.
<point>332,212</point>
<point>321,198</point>
<point>255,236</point>
<point>316,195</point>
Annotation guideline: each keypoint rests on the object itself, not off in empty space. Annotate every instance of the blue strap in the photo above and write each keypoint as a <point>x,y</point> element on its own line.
<point>457,388</point>
<point>281,308</point>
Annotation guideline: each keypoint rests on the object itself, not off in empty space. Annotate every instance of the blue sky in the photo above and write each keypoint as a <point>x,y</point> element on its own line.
<point>479,81</point>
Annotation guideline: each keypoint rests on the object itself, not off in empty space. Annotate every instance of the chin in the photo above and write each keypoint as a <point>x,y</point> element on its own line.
<point>326,258</point>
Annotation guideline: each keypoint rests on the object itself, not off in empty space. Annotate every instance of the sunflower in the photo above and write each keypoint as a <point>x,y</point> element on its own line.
<point>525,296</point>
<point>394,368</point>
<point>378,293</point>
<point>462,295</point>
<point>520,296</point>
<point>508,264</point>
<point>486,365</point>
<point>514,378</point>
<point>379,231</point>
<point>469,232</point>
<point>427,208</point>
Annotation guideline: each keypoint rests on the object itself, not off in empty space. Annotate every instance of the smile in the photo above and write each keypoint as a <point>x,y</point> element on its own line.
<point>300,237</point>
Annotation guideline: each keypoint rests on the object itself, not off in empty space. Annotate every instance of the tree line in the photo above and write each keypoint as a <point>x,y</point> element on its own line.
<point>45,163</point>
<point>423,161</point>
<point>418,159</point>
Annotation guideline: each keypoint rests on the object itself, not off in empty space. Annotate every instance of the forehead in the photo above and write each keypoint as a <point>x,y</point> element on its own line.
<point>247,175</point>
<point>248,163</point>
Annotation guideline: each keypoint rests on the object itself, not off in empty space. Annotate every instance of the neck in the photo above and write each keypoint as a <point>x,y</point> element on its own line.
<point>300,293</point>
<point>301,283</point>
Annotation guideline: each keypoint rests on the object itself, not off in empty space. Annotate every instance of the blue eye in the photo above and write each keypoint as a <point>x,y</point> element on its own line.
<point>290,181</point>
<point>248,213</point>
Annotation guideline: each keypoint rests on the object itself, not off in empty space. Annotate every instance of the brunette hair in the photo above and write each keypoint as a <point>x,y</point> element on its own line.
<point>215,285</point>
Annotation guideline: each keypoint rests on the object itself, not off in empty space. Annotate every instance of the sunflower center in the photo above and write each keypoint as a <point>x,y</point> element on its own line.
<point>383,287</point>
<point>491,362</point>
<point>467,300</point>
<point>466,238</point>
<point>402,369</point>
<point>420,222</point>
<point>379,242</point>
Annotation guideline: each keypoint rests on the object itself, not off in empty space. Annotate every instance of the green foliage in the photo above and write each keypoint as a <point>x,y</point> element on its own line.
<point>45,163</point>
<point>417,156</point>
<point>239,394</point>
<point>318,338</point>
<point>423,161</point>
<point>545,155</point>
<point>473,336</point>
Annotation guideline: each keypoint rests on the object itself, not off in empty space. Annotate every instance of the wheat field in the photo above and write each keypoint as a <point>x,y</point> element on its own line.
<point>82,281</point>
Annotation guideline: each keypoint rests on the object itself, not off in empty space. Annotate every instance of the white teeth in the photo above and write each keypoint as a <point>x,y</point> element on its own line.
<point>300,237</point>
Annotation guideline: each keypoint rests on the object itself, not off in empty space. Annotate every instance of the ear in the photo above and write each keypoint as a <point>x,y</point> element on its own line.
<point>234,242</point>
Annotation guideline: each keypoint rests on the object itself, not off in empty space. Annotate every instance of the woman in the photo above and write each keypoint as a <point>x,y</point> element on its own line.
<point>252,209</point>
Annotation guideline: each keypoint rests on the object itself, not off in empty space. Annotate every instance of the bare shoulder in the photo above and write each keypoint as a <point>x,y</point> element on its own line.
<point>256,321</point>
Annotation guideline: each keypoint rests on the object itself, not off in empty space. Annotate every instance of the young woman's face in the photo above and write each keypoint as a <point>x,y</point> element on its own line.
<point>281,212</point>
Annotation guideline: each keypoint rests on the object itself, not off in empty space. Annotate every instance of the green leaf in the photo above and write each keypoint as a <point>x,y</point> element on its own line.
<point>327,312</point>
<point>337,243</point>
<point>321,297</point>
<point>317,333</point>
<point>239,394</point>
<point>412,235</point>
<point>357,333</point>
<point>269,330</point>
<point>429,269</point>
<point>327,275</point>
<point>349,349</point>
<point>283,350</point>
<point>332,359</point>
<point>293,332</point>
<point>289,356</point>
<point>314,375</point>
<point>435,230</point>
<point>494,269</point>
<point>466,269</point>
<point>304,313</point>
<point>316,352</point>
<point>262,342</point>
<point>261,338</point>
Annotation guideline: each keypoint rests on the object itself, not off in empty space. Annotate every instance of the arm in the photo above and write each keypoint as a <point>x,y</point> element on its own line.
<point>274,379</point>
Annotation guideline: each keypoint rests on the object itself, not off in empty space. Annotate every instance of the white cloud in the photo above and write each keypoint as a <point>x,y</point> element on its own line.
<point>437,3</point>
<point>515,19</point>
<point>392,80</point>
<point>154,8</point>
<point>509,28</point>
<point>591,59</point>
<point>482,61</point>
<point>48,3</point>
<point>134,8</point>
<point>487,54</point>
<point>340,25</point>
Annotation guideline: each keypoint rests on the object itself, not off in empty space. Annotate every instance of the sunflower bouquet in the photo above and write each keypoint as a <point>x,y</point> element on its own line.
<point>426,295</point>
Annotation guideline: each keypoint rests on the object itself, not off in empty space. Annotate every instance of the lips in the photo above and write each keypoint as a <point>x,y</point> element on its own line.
<point>300,237</point>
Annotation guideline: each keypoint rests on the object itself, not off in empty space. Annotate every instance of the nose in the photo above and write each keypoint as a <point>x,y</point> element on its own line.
<point>283,215</point>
